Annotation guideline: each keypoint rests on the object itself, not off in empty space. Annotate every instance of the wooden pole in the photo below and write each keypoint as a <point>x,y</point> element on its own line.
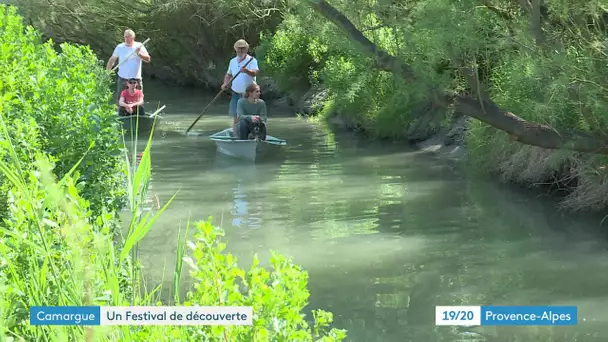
<point>216,97</point>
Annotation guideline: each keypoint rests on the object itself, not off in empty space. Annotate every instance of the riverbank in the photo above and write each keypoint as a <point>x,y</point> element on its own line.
<point>448,143</point>
<point>452,142</point>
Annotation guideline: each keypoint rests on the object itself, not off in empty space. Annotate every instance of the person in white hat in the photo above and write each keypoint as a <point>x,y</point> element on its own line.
<point>246,77</point>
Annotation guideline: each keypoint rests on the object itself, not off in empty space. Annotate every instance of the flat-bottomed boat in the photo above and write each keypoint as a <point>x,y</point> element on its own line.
<point>229,145</point>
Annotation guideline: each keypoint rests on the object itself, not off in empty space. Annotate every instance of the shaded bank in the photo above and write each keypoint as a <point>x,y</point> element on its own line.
<point>191,40</point>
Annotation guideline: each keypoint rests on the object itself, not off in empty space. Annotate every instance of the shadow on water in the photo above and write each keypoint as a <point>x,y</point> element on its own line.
<point>386,233</point>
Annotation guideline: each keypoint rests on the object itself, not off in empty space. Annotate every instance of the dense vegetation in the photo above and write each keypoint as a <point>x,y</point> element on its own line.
<point>58,104</point>
<point>57,238</point>
<point>542,60</point>
<point>191,40</point>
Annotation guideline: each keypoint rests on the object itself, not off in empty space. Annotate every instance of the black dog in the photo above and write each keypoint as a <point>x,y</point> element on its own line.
<point>257,130</point>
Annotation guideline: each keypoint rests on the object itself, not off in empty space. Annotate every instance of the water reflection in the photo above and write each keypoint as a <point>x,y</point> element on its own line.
<point>240,205</point>
<point>249,179</point>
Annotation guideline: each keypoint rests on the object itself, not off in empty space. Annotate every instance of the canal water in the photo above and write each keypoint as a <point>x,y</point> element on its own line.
<point>386,232</point>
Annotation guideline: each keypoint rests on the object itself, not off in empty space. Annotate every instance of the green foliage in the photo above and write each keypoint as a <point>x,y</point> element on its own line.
<point>291,54</point>
<point>59,103</point>
<point>277,296</point>
<point>304,53</point>
<point>560,83</point>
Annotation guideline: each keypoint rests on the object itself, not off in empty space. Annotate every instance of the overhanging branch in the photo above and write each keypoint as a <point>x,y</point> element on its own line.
<point>383,60</point>
<point>485,110</point>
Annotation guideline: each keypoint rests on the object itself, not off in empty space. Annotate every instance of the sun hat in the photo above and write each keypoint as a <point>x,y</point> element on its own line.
<point>241,43</point>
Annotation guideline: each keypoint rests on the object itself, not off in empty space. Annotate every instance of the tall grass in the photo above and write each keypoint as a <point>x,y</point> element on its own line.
<point>52,254</point>
<point>138,176</point>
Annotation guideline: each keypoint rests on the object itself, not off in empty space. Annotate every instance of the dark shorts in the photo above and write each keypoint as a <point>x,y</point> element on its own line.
<point>233,102</point>
<point>136,111</point>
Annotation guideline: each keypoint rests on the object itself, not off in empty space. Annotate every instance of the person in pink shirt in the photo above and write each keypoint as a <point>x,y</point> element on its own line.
<point>131,100</point>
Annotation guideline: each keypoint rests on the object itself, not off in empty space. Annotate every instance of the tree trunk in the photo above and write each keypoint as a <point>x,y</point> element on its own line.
<point>483,108</point>
<point>535,21</point>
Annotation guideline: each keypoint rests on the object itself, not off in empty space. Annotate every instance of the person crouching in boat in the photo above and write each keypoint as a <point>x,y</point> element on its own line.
<point>251,114</point>
<point>131,100</point>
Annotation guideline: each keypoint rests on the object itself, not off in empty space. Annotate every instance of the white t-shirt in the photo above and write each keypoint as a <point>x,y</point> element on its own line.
<point>132,67</point>
<point>240,83</point>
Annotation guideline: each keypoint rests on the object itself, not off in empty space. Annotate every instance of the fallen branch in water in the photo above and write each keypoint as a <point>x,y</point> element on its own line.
<point>157,202</point>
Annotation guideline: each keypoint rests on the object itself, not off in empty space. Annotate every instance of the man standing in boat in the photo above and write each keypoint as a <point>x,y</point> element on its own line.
<point>132,67</point>
<point>246,76</point>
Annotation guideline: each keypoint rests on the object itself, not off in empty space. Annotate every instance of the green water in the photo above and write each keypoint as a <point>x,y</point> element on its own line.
<point>385,232</point>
